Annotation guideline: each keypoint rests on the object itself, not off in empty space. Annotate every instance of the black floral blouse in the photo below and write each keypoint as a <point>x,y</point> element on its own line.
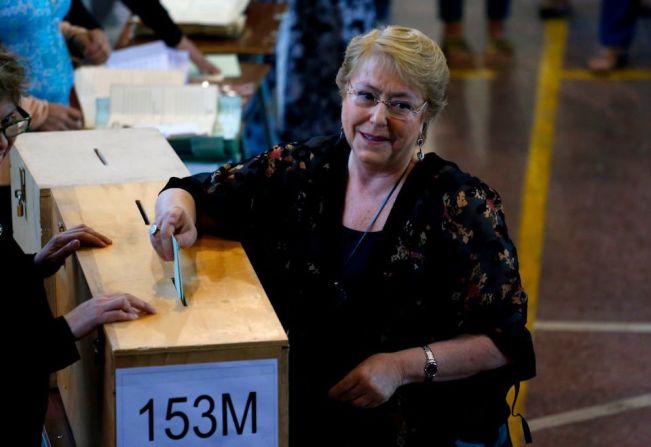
<point>442,266</point>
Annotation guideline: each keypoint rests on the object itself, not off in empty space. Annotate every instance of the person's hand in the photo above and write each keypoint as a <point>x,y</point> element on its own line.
<point>94,45</point>
<point>174,221</point>
<point>52,256</point>
<point>197,57</point>
<point>60,117</point>
<point>204,65</point>
<point>105,309</point>
<point>371,383</point>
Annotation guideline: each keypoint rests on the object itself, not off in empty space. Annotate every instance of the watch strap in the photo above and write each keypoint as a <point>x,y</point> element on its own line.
<point>431,365</point>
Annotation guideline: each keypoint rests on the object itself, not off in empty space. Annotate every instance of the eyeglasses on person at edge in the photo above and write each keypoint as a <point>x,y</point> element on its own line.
<point>16,127</point>
<point>398,108</point>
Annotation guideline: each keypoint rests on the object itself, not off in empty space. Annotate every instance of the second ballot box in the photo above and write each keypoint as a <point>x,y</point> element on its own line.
<point>41,161</point>
<point>213,372</point>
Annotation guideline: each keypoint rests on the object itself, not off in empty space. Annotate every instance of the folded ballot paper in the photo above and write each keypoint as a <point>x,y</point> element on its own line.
<point>173,110</point>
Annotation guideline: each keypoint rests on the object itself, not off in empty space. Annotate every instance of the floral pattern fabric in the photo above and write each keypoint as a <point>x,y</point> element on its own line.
<point>443,266</point>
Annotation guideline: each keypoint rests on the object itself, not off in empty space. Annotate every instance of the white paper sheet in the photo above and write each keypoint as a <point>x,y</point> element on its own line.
<point>167,106</point>
<point>92,83</point>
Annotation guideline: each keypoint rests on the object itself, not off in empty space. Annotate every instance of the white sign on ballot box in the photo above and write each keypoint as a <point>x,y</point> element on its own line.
<point>226,403</point>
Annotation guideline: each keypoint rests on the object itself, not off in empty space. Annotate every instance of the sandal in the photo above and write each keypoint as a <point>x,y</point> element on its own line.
<point>608,59</point>
<point>458,53</point>
<point>498,53</point>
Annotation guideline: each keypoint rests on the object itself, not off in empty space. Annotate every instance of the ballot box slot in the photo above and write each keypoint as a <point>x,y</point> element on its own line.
<point>100,156</point>
<point>143,213</point>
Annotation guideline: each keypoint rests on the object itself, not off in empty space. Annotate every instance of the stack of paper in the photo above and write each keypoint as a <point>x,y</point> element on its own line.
<point>174,110</point>
<point>93,85</point>
<point>150,56</point>
<point>205,12</point>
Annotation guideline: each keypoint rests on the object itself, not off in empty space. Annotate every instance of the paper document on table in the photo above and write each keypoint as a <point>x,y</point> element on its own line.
<point>165,107</point>
<point>205,12</point>
<point>178,275</point>
<point>93,83</point>
<point>150,56</point>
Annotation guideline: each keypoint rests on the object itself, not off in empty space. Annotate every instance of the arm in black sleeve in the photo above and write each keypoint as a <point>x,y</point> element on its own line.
<point>488,282</point>
<point>236,198</point>
<point>80,16</point>
<point>156,17</point>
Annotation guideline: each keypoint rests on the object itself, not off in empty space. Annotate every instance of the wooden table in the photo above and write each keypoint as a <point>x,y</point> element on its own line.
<point>259,35</point>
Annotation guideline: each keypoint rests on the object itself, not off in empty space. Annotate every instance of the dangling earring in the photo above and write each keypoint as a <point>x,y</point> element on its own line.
<point>341,134</point>
<point>419,142</point>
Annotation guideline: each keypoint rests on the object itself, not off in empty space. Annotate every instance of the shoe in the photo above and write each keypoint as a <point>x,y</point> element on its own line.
<point>458,53</point>
<point>608,59</point>
<point>498,53</point>
<point>553,9</point>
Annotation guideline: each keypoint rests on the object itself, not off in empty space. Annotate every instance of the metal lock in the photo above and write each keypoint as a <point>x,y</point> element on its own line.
<point>21,195</point>
<point>20,206</point>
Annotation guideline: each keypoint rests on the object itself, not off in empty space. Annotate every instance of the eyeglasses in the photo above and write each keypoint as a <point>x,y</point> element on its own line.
<point>398,108</point>
<point>16,127</point>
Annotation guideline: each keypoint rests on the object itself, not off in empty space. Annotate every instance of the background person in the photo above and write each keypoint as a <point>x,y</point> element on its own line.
<point>617,22</point>
<point>457,50</point>
<point>392,272</point>
<point>153,15</point>
<point>41,343</point>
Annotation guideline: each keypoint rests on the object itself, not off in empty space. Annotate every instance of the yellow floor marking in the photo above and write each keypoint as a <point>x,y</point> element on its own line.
<point>591,413</point>
<point>534,196</point>
<point>482,73</point>
<point>616,75</point>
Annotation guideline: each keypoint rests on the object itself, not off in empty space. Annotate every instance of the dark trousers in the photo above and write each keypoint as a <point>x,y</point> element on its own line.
<point>617,22</point>
<point>452,10</point>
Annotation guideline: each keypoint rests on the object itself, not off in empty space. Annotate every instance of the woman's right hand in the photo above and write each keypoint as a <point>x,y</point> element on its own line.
<point>174,216</point>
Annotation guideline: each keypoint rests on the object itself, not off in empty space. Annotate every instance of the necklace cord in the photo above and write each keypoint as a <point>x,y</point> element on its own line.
<point>377,214</point>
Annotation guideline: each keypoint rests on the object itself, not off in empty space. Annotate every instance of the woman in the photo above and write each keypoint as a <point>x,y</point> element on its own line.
<point>393,273</point>
<point>34,31</point>
<point>617,23</point>
<point>499,50</point>
<point>24,298</point>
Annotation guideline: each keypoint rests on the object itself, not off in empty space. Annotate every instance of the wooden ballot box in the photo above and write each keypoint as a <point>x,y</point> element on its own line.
<point>43,160</point>
<point>213,372</point>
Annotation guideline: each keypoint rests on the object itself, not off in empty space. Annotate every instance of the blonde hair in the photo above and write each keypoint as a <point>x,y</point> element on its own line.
<point>416,58</point>
<point>12,77</point>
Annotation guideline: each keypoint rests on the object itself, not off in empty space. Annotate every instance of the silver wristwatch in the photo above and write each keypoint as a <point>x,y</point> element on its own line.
<point>431,367</point>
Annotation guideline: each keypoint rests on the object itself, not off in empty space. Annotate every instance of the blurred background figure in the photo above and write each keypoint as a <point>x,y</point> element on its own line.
<point>113,15</point>
<point>553,9</point>
<point>34,30</point>
<point>617,22</point>
<point>499,50</point>
<point>310,49</point>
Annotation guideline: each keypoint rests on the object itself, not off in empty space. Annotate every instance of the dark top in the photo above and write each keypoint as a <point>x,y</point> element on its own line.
<point>41,344</point>
<point>151,12</point>
<point>443,266</point>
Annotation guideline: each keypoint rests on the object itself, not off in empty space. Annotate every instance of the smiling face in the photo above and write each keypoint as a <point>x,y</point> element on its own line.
<point>378,141</point>
<point>7,112</point>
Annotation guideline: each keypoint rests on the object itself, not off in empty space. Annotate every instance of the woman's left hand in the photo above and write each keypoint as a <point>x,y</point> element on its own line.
<point>371,383</point>
<point>52,256</point>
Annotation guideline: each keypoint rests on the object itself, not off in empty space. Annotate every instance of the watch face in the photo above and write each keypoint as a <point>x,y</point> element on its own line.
<point>431,369</point>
